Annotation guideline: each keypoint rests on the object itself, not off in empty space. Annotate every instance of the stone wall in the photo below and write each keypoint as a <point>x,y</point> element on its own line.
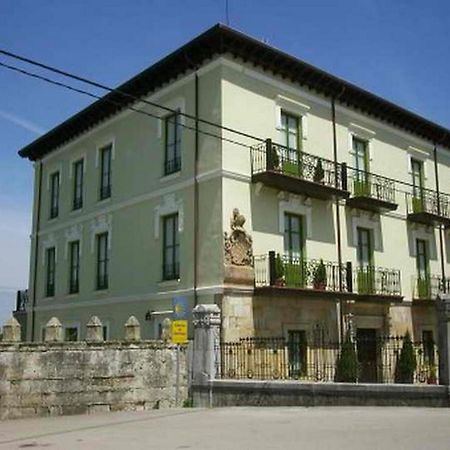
<point>86,377</point>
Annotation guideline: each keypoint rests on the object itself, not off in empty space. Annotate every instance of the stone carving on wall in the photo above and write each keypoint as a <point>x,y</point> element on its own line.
<point>238,244</point>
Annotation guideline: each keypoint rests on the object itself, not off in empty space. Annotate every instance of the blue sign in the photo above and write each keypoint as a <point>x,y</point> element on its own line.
<point>180,308</point>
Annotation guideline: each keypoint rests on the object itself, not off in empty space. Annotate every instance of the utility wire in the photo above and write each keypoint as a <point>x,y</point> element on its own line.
<point>92,95</point>
<point>124,94</point>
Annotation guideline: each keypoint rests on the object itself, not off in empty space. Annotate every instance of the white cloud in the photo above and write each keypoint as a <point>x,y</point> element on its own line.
<point>21,122</point>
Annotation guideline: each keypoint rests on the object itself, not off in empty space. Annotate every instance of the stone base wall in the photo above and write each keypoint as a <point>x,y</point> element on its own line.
<point>220,393</point>
<point>79,377</point>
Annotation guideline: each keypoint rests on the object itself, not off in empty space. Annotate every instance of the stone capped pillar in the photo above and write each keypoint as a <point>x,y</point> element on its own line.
<point>53,330</point>
<point>206,355</point>
<point>94,330</point>
<point>132,329</point>
<point>443,313</point>
<point>11,330</point>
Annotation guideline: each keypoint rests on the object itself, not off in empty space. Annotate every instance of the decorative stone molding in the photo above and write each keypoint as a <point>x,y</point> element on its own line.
<point>239,244</point>
<point>94,330</point>
<point>169,205</point>
<point>295,204</point>
<point>54,330</point>
<point>74,233</point>
<point>11,330</point>
<point>101,224</point>
<point>206,316</point>
<point>132,329</point>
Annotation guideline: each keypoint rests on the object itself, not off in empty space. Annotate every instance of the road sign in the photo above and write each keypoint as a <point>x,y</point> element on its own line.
<point>179,331</point>
<point>180,308</point>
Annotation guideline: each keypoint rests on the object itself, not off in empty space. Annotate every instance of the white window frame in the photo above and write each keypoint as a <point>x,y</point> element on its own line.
<point>362,133</point>
<point>361,219</point>
<point>294,204</point>
<point>295,108</point>
<point>169,205</point>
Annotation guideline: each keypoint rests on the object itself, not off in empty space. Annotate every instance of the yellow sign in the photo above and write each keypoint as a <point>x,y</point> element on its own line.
<point>179,331</point>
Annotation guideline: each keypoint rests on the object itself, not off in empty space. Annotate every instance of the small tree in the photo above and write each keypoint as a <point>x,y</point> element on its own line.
<point>406,363</point>
<point>320,276</point>
<point>319,173</point>
<point>347,366</point>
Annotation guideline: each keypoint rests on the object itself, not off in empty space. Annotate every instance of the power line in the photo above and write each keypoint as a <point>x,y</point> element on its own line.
<point>90,94</point>
<point>124,94</point>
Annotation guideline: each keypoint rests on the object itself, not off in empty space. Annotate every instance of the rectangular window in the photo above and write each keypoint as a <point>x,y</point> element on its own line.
<point>290,128</point>
<point>172,159</point>
<point>171,248</point>
<point>365,247</point>
<point>105,171</point>
<point>51,265</point>
<point>74,280</point>
<point>71,334</point>
<point>417,177</point>
<point>102,261</point>
<point>78,184</point>
<point>105,331</point>
<point>54,195</point>
<point>293,236</point>
<point>361,155</point>
<point>422,259</point>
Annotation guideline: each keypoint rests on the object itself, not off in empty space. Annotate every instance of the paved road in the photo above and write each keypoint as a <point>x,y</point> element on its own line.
<point>237,428</point>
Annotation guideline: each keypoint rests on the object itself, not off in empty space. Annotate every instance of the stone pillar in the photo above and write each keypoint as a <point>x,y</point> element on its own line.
<point>132,329</point>
<point>53,330</point>
<point>11,330</point>
<point>94,330</point>
<point>166,334</point>
<point>443,313</point>
<point>206,355</point>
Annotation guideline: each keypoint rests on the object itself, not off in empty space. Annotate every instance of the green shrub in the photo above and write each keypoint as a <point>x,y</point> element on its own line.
<point>319,173</point>
<point>279,267</point>
<point>347,367</point>
<point>320,276</point>
<point>406,363</point>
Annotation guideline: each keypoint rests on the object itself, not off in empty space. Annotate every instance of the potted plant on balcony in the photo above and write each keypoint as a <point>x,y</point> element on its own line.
<point>347,366</point>
<point>320,276</point>
<point>279,271</point>
<point>407,363</point>
<point>417,204</point>
<point>319,173</point>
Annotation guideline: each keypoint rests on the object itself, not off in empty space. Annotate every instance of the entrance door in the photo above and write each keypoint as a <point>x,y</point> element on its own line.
<point>297,353</point>
<point>366,340</point>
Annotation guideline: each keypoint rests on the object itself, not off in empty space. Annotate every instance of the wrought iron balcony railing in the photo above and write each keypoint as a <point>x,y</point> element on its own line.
<point>427,207</point>
<point>371,280</point>
<point>429,287</point>
<point>22,300</point>
<point>371,191</point>
<point>270,158</point>
<point>284,271</point>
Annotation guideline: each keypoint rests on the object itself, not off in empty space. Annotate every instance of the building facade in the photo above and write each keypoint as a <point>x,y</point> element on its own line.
<point>333,202</point>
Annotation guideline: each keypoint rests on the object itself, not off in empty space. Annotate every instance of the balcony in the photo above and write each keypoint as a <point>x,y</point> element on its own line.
<point>371,192</point>
<point>427,208</point>
<point>276,274</point>
<point>298,172</point>
<point>427,288</point>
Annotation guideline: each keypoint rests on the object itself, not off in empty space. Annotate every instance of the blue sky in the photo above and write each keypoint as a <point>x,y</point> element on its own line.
<point>397,49</point>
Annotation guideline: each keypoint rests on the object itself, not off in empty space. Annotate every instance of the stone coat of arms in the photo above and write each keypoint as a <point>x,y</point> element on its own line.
<point>238,244</point>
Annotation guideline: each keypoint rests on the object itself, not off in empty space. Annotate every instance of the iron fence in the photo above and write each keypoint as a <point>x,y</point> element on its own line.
<point>426,201</point>
<point>428,287</point>
<point>297,272</point>
<point>278,358</point>
<point>270,157</point>
<point>367,184</point>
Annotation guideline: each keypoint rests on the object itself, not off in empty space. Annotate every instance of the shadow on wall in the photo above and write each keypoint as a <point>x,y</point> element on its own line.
<point>322,217</point>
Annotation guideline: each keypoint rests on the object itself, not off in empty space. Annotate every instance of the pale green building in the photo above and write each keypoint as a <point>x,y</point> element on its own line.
<point>342,197</point>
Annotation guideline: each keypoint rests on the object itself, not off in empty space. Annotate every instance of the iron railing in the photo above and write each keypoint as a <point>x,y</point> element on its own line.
<point>426,201</point>
<point>294,272</point>
<point>286,271</point>
<point>278,358</point>
<point>370,185</point>
<point>22,300</point>
<point>371,280</point>
<point>270,157</point>
<point>428,287</point>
